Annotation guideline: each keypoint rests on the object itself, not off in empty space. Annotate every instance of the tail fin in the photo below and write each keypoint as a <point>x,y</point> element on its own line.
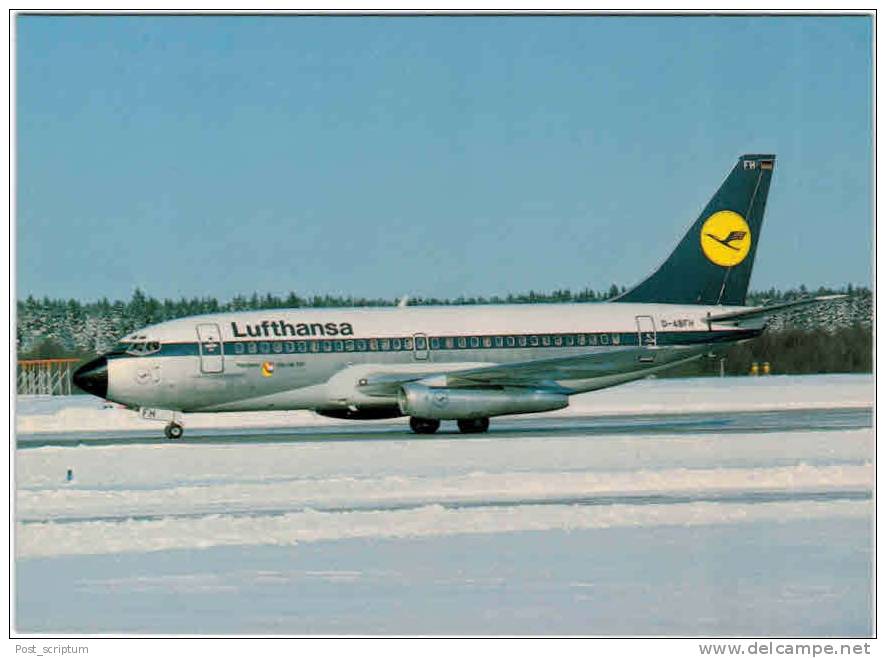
<point>712,263</point>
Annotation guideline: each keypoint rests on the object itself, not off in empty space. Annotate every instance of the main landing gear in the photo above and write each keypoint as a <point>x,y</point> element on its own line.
<point>473,426</point>
<point>424,425</point>
<point>173,431</point>
<point>466,426</point>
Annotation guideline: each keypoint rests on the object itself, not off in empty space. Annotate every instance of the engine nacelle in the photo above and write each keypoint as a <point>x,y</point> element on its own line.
<point>459,403</point>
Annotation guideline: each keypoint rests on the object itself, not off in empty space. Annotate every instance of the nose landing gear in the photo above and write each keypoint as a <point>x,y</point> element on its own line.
<point>174,428</point>
<point>173,431</point>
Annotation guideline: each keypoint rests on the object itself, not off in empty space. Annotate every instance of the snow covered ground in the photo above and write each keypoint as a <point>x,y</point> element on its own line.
<point>710,529</point>
<point>788,577</point>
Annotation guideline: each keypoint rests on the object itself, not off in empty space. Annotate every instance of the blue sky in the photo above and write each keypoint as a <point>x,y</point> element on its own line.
<point>430,156</point>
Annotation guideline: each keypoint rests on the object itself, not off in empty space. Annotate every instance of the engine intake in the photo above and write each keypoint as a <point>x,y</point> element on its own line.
<point>459,403</point>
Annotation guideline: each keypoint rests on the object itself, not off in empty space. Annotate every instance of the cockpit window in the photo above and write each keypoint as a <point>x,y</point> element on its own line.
<point>141,348</point>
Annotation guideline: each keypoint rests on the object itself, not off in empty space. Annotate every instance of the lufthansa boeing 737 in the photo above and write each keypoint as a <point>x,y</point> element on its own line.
<point>454,363</point>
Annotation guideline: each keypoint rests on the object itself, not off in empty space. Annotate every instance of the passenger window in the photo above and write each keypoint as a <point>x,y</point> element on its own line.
<point>487,341</point>
<point>373,345</point>
<point>239,348</point>
<point>396,344</point>
<point>327,345</point>
<point>289,346</point>
<point>384,344</point>
<point>264,347</point>
<point>558,341</point>
<point>616,339</point>
<point>349,346</point>
<point>435,344</point>
<point>252,348</point>
<point>277,346</point>
<point>421,343</point>
<point>592,339</point>
<point>509,341</point>
<point>462,342</point>
<point>499,341</point>
<point>315,345</point>
<point>546,341</point>
<point>450,343</point>
<point>604,339</point>
<point>407,343</point>
<point>570,341</point>
<point>302,346</point>
<point>533,341</point>
<point>361,345</point>
<point>521,341</point>
<point>475,342</point>
<point>339,346</point>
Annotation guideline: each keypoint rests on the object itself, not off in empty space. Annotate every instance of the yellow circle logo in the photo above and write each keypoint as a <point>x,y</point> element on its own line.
<point>726,238</point>
<point>267,369</point>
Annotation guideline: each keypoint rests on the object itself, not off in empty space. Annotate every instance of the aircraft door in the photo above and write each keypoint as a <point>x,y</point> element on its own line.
<point>212,359</point>
<point>420,348</point>
<point>646,331</point>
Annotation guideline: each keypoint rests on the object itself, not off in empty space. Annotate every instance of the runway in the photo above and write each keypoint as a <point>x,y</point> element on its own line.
<point>648,424</point>
<point>725,522</point>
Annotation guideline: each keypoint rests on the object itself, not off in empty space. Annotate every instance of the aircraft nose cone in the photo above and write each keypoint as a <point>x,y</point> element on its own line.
<point>92,377</point>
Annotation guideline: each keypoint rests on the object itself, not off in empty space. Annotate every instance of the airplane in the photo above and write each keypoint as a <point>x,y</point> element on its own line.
<point>466,364</point>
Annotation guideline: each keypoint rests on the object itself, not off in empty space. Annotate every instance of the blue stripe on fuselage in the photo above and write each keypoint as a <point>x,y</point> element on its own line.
<point>337,345</point>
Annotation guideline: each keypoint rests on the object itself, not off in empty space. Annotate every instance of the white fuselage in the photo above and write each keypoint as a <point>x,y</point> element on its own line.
<point>320,358</point>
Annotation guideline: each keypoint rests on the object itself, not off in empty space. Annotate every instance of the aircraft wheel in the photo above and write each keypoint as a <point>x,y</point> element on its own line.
<point>174,431</point>
<point>424,425</point>
<point>473,425</point>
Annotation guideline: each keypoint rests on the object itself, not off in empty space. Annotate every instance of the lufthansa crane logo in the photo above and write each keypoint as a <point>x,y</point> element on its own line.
<point>726,238</point>
<point>267,369</point>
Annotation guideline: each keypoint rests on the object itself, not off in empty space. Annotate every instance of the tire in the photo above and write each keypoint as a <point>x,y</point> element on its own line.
<point>174,431</point>
<point>473,425</point>
<point>424,425</point>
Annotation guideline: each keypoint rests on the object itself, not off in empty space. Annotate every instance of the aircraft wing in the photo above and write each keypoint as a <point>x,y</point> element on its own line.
<point>764,311</point>
<point>544,373</point>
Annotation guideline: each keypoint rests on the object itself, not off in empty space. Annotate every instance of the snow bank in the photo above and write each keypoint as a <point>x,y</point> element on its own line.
<point>40,540</point>
<point>37,414</point>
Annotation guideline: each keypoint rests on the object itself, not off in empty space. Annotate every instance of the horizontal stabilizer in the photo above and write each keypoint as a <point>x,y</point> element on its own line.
<point>763,311</point>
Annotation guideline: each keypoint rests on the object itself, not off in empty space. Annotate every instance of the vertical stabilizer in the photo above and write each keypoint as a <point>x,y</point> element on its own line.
<point>712,264</point>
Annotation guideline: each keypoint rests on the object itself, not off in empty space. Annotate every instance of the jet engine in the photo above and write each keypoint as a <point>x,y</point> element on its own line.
<point>460,403</point>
